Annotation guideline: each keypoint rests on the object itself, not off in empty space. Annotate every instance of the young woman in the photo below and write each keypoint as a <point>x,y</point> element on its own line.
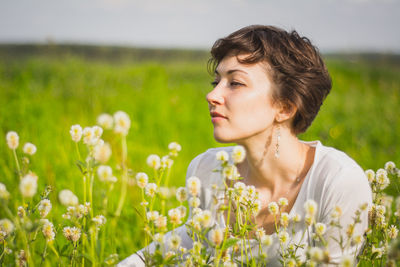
<point>269,86</point>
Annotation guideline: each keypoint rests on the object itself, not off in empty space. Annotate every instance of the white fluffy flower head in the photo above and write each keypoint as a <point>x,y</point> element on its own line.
<point>122,123</point>
<point>76,132</point>
<point>193,185</point>
<point>67,198</point>
<point>142,179</point>
<point>222,156</point>
<point>44,207</point>
<point>12,140</point>
<point>29,149</point>
<point>28,185</point>
<point>238,154</point>
<point>106,121</point>
<point>153,161</point>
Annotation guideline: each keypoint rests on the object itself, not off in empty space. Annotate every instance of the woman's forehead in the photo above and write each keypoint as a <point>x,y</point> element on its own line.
<point>231,64</point>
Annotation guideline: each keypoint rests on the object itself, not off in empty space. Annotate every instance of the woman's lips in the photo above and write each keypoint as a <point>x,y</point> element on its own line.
<point>215,116</point>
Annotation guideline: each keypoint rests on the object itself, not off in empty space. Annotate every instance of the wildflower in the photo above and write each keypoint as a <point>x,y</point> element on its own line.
<point>260,233</point>
<point>44,207</point>
<point>370,176</point>
<point>161,222</point>
<point>222,156</point>
<point>182,210</point>
<point>206,218</point>
<point>122,123</point>
<point>316,254</point>
<point>164,192</point>
<point>311,207</point>
<point>296,218</point>
<point>308,219</point>
<point>174,242</point>
<point>336,213</point>
<point>3,236</point>
<point>76,132</point>
<point>12,140</point>
<point>89,137</point>
<point>193,185</point>
<point>175,216</point>
<point>29,149</point>
<point>72,233</point>
<point>216,236</point>
<point>238,154</point>
<point>239,188</point>
<point>159,238</point>
<point>99,220</point>
<point>273,208</point>
<point>181,194</point>
<point>21,212</point>
<point>392,232</point>
<point>67,198</point>
<point>390,166</point>
<point>194,202</point>
<point>320,228</point>
<point>151,189</point>
<point>357,240</point>
<point>106,121</point>
<point>152,215</point>
<point>142,179</point>
<point>111,260</point>
<point>6,226</point>
<point>291,263</point>
<point>102,152</point>
<point>283,237</point>
<point>230,172</point>
<point>166,162</point>
<point>153,161</point>
<point>284,219</point>
<point>174,148</point>
<point>28,185</point>
<point>105,173</point>
<point>48,231</point>
<point>21,259</point>
<point>4,194</point>
<point>382,179</point>
<point>350,230</point>
<point>346,261</point>
<point>283,202</point>
<point>266,240</point>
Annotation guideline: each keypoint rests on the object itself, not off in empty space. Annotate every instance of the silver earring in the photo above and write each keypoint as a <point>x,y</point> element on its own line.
<point>278,138</point>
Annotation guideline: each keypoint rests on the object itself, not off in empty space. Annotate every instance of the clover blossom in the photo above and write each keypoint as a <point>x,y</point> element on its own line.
<point>181,194</point>
<point>106,121</point>
<point>99,220</point>
<point>346,261</point>
<point>193,185</point>
<point>159,238</point>
<point>174,242</point>
<point>72,233</point>
<point>370,175</point>
<point>12,140</point>
<point>238,154</point>
<point>320,228</point>
<point>310,207</point>
<point>122,123</point>
<point>44,207</point>
<point>4,194</point>
<point>161,222</point>
<point>6,226</point>
<point>316,254</point>
<point>222,156</point>
<point>175,216</point>
<point>102,152</point>
<point>151,189</point>
<point>48,231</point>
<point>67,198</point>
<point>390,167</point>
<point>194,202</point>
<point>174,148</point>
<point>28,185</point>
<point>273,208</point>
<point>29,149</point>
<point>76,132</point>
<point>105,174</point>
<point>216,236</point>
<point>284,219</point>
<point>141,179</point>
<point>153,161</point>
<point>392,232</point>
<point>283,237</point>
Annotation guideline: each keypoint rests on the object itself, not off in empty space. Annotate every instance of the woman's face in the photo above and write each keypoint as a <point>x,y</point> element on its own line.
<point>241,103</point>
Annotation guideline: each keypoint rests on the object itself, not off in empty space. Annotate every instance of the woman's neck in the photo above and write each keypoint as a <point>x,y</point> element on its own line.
<point>271,174</point>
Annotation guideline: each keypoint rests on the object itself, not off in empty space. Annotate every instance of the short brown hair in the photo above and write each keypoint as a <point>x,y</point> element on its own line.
<point>297,69</point>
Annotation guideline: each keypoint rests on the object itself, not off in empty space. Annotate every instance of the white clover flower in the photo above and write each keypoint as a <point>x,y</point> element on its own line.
<point>106,121</point>
<point>239,188</point>
<point>273,208</point>
<point>316,254</point>
<point>6,226</point>
<point>152,215</point>
<point>283,237</point>
<point>76,132</point>
<point>390,166</point>
<point>104,172</point>
<point>151,189</point>
<point>28,185</point>
<point>153,161</point>
<point>193,185</point>
<point>260,233</point>
<point>358,239</point>
<point>12,140</point>
<point>310,207</point>
<point>174,148</point>
<point>97,131</point>
<point>44,207</point>
<point>67,198</point>
<point>166,162</point>
<point>122,123</point>
<point>182,210</point>
<point>206,218</point>
<point>296,218</point>
<point>382,179</point>
<point>159,238</point>
<point>175,216</point>
<point>266,240</point>
<point>194,202</point>
<point>309,219</point>
<point>99,220</point>
<point>89,138</point>
<point>238,154</point>
<point>222,156</point>
<point>230,172</point>
<point>347,261</point>
<point>29,149</point>
<point>283,202</point>
<point>370,175</point>
<point>161,222</point>
<point>142,179</point>
<point>102,152</point>
<point>48,231</point>
<point>181,194</point>
<point>284,219</point>
<point>320,228</point>
<point>216,236</point>
<point>4,194</point>
<point>392,232</point>
<point>3,236</point>
<point>72,233</point>
<point>336,213</point>
<point>174,241</point>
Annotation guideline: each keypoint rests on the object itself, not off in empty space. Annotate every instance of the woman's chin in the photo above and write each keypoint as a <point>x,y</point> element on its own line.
<point>223,138</point>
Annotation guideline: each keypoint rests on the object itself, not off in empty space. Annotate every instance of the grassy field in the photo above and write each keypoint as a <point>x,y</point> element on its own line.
<point>41,96</point>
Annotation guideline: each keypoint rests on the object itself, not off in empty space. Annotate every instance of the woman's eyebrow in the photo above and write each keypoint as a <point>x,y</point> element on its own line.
<point>231,71</point>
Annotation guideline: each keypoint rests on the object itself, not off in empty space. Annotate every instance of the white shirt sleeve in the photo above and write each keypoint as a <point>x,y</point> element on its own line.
<point>136,259</point>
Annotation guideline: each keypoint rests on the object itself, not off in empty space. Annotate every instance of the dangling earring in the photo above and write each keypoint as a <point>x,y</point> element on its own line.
<point>278,138</point>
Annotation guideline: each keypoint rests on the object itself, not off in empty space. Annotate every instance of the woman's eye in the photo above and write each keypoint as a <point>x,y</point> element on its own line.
<point>236,84</point>
<point>214,83</point>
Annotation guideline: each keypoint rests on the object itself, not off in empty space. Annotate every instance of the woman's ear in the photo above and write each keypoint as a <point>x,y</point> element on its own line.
<point>286,111</point>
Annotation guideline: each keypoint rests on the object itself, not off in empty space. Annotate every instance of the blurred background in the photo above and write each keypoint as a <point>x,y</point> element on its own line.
<point>66,62</point>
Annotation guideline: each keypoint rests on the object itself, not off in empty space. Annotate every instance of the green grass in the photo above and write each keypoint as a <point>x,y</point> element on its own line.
<point>41,97</point>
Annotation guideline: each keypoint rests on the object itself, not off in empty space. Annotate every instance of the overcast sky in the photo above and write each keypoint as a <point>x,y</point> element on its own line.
<point>333,25</point>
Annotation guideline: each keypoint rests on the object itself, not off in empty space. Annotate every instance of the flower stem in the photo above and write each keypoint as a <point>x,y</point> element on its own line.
<point>124,178</point>
<point>17,163</point>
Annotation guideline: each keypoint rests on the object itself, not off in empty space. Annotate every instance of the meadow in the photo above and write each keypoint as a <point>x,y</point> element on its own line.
<point>41,96</point>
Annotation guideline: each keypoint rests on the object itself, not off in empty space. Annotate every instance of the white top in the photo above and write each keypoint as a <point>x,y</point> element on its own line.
<point>334,179</point>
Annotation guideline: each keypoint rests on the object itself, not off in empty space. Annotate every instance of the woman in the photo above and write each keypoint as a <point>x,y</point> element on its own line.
<point>269,86</point>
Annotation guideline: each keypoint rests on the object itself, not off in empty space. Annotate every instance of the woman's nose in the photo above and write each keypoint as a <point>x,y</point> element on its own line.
<point>215,96</point>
